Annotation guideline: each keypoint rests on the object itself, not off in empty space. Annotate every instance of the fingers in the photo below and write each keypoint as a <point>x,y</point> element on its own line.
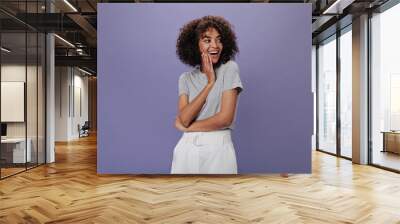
<point>210,61</point>
<point>210,64</point>
<point>209,58</point>
<point>204,60</point>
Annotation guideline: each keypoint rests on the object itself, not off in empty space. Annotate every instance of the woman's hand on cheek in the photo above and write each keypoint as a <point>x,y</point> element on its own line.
<point>208,67</point>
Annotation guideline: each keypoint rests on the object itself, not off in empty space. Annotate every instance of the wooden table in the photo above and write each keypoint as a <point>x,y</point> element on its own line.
<point>13,150</point>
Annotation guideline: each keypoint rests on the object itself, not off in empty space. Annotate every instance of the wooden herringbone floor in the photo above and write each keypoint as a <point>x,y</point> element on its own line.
<point>70,191</point>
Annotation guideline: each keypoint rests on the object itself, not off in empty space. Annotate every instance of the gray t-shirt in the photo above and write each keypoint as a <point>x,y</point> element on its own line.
<point>193,82</point>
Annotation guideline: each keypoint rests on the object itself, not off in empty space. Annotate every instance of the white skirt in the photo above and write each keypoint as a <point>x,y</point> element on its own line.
<point>205,153</point>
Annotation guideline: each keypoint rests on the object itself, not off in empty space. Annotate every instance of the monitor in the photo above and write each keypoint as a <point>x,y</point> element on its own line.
<point>3,129</point>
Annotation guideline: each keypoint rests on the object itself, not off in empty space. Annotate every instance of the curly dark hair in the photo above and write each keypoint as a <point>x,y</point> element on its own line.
<point>187,47</point>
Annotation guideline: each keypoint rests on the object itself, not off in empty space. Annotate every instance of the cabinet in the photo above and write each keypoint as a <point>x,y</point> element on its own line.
<point>391,141</point>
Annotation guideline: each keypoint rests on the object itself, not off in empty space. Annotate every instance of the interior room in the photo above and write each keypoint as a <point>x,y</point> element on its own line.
<point>22,102</point>
<point>51,124</point>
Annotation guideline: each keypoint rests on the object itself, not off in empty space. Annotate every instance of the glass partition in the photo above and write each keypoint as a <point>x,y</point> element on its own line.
<point>32,95</point>
<point>385,89</point>
<point>327,95</point>
<point>41,107</point>
<point>22,77</point>
<point>14,151</point>
<point>346,93</point>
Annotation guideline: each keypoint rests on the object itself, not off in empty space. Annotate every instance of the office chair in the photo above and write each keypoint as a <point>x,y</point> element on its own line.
<point>84,130</point>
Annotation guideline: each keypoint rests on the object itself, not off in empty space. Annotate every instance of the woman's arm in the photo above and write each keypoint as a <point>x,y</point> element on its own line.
<point>189,111</point>
<point>223,118</point>
<point>231,88</point>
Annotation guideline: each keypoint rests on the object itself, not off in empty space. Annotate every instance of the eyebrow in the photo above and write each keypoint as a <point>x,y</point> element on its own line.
<point>205,36</point>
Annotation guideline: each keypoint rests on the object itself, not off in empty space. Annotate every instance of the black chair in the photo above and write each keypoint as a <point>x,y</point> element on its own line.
<point>84,130</point>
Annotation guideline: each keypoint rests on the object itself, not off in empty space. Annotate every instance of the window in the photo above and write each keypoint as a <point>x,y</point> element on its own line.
<point>385,88</point>
<point>327,95</point>
<point>346,93</point>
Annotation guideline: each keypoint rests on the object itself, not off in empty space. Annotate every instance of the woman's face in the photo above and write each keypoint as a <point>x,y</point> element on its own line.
<point>210,43</point>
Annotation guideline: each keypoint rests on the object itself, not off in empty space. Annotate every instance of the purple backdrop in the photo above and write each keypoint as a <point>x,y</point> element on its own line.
<point>138,74</point>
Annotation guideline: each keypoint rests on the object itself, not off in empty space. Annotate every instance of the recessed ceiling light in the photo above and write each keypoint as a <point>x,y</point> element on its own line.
<point>84,71</point>
<point>5,50</point>
<point>338,6</point>
<point>64,40</point>
<point>70,5</point>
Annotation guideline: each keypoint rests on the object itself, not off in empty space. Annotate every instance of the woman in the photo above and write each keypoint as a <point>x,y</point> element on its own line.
<point>207,98</point>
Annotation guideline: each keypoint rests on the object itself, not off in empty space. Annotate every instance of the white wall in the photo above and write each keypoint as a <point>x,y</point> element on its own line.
<point>17,73</point>
<point>14,73</point>
<point>81,103</point>
<point>71,94</point>
<point>62,81</point>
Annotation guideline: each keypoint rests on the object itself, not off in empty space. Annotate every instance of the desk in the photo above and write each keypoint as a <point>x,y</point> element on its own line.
<point>15,148</point>
<point>391,141</point>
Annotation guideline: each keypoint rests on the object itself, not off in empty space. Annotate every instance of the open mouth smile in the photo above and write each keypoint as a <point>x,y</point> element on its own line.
<point>213,53</point>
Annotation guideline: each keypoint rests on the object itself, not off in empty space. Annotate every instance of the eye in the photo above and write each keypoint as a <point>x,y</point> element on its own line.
<point>207,40</point>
